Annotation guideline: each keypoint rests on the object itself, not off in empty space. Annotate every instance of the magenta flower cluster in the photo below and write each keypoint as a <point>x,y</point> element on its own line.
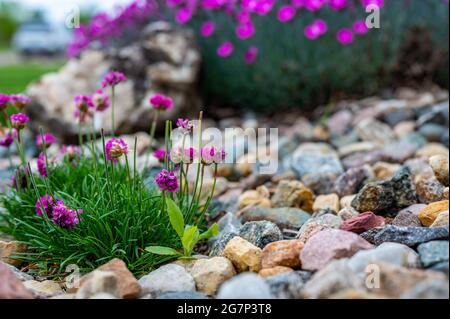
<point>46,139</point>
<point>115,148</point>
<point>161,102</point>
<point>113,78</point>
<point>7,137</point>
<point>19,120</point>
<point>243,12</point>
<point>57,212</point>
<point>167,181</point>
<point>18,101</point>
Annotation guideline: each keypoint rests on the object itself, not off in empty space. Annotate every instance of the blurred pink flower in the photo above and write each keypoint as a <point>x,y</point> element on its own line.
<point>360,27</point>
<point>243,17</point>
<point>298,3</point>
<point>101,101</point>
<point>47,138</point>
<point>160,154</point>
<point>245,31</point>
<point>314,5</point>
<point>115,148</point>
<point>41,165</point>
<point>337,4</point>
<point>167,181</point>
<point>113,78</point>
<point>183,15</point>
<point>19,101</point>
<point>4,100</point>
<point>378,3</point>
<point>316,29</point>
<point>7,138</point>
<point>19,120</point>
<point>207,28</point>
<point>286,13</point>
<point>161,102</point>
<point>250,55</point>
<point>345,36</point>
<point>225,49</point>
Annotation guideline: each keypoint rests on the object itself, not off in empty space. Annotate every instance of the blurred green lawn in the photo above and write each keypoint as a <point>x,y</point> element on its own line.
<point>15,78</point>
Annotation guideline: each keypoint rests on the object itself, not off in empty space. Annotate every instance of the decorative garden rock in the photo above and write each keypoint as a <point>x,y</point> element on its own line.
<point>43,289</point>
<point>162,280</point>
<point>209,274</point>
<point>244,255</point>
<point>330,244</point>
<point>409,236</point>
<point>260,233</point>
<point>288,217</point>
<point>245,286</point>
<point>440,166</point>
<point>352,180</point>
<point>429,214</point>
<point>286,285</point>
<point>293,194</point>
<point>282,253</point>
<point>363,222</point>
<point>433,252</point>
<point>274,271</point>
<point>12,287</point>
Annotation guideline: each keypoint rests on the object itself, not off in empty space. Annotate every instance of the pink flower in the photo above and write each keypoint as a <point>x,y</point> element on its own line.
<point>207,28</point>
<point>298,3</point>
<point>160,154</point>
<point>167,181</point>
<point>345,36</point>
<point>46,203</point>
<point>161,102</point>
<point>360,27</point>
<point>113,78</point>
<point>19,101</point>
<point>212,155</point>
<point>101,101</point>
<point>189,155</point>
<point>83,107</point>
<point>337,4</point>
<point>225,49</point>
<point>183,15</point>
<point>250,55</point>
<point>42,165</point>
<point>378,3</point>
<point>7,138</point>
<point>316,29</point>
<point>243,17</point>
<point>185,125</point>
<point>245,31</point>
<point>71,151</point>
<point>19,120</point>
<point>314,5</point>
<point>47,139</point>
<point>65,217</point>
<point>286,13</point>
<point>263,7</point>
<point>115,148</point>
<point>173,3</point>
<point>4,100</point>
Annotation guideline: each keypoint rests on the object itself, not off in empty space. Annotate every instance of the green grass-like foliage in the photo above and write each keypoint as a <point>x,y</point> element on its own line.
<point>120,219</point>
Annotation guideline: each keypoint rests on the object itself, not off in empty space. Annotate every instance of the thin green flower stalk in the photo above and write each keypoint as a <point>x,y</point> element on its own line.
<point>113,107</point>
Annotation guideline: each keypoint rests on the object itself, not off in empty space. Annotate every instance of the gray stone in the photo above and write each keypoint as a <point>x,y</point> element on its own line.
<point>245,286</point>
<point>433,132</point>
<point>428,289</point>
<point>409,236</point>
<point>433,252</point>
<point>260,233</point>
<point>351,181</point>
<point>286,285</point>
<point>406,219</point>
<point>182,295</point>
<point>170,277</point>
<point>442,267</point>
<point>283,217</point>
<point>21,275</point>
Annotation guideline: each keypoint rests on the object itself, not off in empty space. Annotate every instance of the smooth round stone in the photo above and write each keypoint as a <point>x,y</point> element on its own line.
<point>286,286</point>
<point>433,289</point>
<point>260,233</point>
<point>245,286</point>
<point>162,280</point>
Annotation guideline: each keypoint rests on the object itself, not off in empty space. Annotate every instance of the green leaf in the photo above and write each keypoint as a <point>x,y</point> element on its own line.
<point>160,250</point>
<point>190,238</point>
<point>211,232</point>
<point>175,216</point>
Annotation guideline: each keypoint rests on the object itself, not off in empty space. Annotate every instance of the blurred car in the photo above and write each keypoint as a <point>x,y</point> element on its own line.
<point>35,38</point>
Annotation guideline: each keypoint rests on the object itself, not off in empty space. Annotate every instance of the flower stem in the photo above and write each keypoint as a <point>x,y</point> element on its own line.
<point>208,201</point>
<point>113,105</point>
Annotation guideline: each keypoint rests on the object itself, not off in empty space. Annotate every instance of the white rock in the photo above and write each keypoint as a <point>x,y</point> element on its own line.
<point>167,278</point>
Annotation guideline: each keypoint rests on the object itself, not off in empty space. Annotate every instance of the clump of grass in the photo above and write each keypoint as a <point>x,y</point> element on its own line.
<point>119,221</point>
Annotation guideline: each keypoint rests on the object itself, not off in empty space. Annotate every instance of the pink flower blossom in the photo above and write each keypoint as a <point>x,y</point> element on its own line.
<point>185,125</point>
<point>4,100</point>
<point>66,217</point>
<point>314,5</point>
<point>72,152</point>
<point>101,101</point>
<point>212,155</point>
<point>345,36</point>
<point>113,78</point>
<point>183,15</point>
<point>46,203</point>
<point>161,102</point>
<point>378,3</point>
<point>160,154</point>
<point>19,120</point>
<point>19,101</point>
<point>83,107</point>
<point>207,29</point>
<point>360,27</point>
<point>189,155</point>
<point>115,148</point>
<point>243,17</point>
<point>298,3</point>
<point>48,139</point>
<point>167,181</point>
<point>250,55</point>
<point>225,49</point>
<point>42,165</point>
<point>316,29</point>
<point>245,31</point>
<point>7,137</point>
<point>337,4</point>
<point>263,7</point>
<point>286,13</point>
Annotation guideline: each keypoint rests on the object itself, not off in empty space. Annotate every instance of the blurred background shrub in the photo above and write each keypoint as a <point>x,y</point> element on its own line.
<point>411,48</point>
